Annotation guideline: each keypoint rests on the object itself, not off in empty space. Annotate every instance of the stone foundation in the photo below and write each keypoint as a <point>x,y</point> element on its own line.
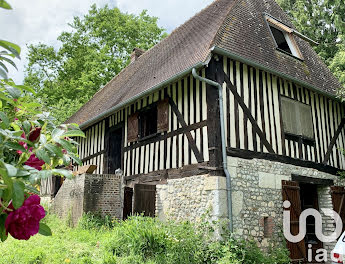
<point>257,197</point>
<point>89,193</point>
<point>192,197</point>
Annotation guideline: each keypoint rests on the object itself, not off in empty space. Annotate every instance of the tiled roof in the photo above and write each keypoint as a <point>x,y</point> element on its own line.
<point>185,47</point>
<point>237,26</point>
<point>246,34</point>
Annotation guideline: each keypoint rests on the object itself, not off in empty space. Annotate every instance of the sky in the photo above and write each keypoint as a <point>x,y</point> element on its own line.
<point>35,21</point>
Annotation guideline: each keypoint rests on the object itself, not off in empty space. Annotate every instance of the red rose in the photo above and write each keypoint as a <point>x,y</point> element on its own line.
<point>24,222</point>
<point>34,162</point>
<point>35,134</point>
<point>22,144</point>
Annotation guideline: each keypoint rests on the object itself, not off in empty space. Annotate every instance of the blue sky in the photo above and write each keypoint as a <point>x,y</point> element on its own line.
<point>34,21</point>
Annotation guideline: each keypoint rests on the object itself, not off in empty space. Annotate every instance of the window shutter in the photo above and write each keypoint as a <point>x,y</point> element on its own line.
<point>163,116</point>
<point>291,192</point>
<point>297,118</point>
<point>338,201</point>
<point>306,121</point>
<point>289,116</point>
<point>132,128</point>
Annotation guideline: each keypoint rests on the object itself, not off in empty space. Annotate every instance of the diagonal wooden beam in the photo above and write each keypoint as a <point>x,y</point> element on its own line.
<point>333,141</point>
<point>248,113</point>
<point>183,123</point>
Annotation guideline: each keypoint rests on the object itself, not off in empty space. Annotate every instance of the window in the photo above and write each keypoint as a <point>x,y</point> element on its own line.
<point>297,118</point>
<point>148,122</point>
<point>280,40</point>
<point>283,38</point>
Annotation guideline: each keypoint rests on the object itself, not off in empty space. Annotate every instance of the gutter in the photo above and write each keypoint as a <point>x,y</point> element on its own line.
<point>234,56</point>
<point>142,94</point>
<point>222,131</point>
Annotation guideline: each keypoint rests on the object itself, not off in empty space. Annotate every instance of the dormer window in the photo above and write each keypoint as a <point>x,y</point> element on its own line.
<point>283,38</point>
<point>280,39</point>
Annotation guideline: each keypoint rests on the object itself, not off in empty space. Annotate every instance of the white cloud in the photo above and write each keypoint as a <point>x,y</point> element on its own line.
<point>31,22</point>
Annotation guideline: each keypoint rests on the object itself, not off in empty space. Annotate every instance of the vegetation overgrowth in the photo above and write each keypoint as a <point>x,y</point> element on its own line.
<point>136,240</point>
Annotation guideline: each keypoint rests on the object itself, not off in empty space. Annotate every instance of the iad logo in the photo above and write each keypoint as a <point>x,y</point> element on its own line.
<point>318,224</point>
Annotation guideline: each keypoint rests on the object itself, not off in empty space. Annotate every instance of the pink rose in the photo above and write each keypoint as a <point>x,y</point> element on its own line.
<point>35,134</point>
<point>24,222</point>
<point>34,162</point>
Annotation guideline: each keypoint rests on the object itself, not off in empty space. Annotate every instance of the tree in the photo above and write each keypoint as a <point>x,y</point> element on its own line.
<point>92,53</point>
<point>323,21</point>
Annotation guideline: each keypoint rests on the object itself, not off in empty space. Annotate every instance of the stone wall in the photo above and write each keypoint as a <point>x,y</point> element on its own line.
<point>192,197</point>
<point>257,196</point>
<point>89,193</point>
<point>325,201</point>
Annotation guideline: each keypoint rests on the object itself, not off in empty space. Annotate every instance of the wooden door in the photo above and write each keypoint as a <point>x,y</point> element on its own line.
<point>127,202</point>
<point>114,156</point>
<point>291,192</point>
<point>145,199</point>
<point>338,196</point>
<point>309,199</point>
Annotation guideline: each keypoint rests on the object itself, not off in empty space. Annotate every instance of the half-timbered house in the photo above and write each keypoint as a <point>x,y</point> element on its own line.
<point>232,113</point>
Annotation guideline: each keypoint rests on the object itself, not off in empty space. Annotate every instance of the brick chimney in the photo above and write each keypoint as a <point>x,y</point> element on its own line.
<point>136,54</point>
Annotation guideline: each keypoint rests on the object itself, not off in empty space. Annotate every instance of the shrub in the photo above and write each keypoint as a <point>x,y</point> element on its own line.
<point>91,220</point>
<point>143,240</point>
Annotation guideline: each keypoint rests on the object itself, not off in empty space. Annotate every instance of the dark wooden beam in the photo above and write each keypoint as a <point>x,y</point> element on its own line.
<point>93,156</point>
<point>247,154</point>
<point>160,137</point>
<point>188,134</point>
<point>333,141</point>
<point>310,180</point>
<point>214,72</point>
<point>162,175</point>
<point>247,112</point>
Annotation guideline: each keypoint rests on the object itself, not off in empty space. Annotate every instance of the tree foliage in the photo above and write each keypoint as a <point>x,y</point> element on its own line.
<point>323,21</point>
<point>96,48</point>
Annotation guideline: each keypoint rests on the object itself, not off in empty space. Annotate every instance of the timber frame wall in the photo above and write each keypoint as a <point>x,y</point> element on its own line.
<point>259,98</point>
<point>167,150</point>
<point>253,121</point>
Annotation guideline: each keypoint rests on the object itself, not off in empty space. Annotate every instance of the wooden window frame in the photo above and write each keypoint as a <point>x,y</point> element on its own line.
<point>297,137</point>
<point>141,112</point>
<point>288,34</point>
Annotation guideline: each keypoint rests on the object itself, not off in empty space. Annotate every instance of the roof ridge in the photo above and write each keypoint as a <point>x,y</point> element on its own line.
<point>153,47</point>
<point>177,29</point>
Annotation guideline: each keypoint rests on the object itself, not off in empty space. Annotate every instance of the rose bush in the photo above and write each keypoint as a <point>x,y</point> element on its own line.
<point>32,148</point>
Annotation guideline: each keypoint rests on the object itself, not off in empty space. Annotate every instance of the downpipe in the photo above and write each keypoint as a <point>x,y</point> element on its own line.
<point>222,131</point>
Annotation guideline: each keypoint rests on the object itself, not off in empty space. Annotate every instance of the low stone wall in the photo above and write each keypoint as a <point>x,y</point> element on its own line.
<point>69,201</point>
<point>257,194</point>
<point>192,197</point>
<point>89,193</point>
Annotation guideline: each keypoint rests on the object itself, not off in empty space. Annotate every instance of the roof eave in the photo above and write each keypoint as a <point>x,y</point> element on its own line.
<point>140,95</point>
<point>237,57</point>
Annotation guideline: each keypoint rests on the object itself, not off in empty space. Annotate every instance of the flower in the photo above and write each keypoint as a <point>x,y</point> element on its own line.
<point>34,162</point>
<point>24,222</point>
<point>35,134</point>
<point>22,144</point>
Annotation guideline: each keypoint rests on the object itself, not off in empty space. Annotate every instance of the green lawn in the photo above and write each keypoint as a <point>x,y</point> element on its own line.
<point>66,245</point>
<point>138,240</point>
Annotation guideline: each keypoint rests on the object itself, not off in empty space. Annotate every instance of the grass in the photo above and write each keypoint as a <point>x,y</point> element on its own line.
<point>66,245</point>
<point>138,240</point>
